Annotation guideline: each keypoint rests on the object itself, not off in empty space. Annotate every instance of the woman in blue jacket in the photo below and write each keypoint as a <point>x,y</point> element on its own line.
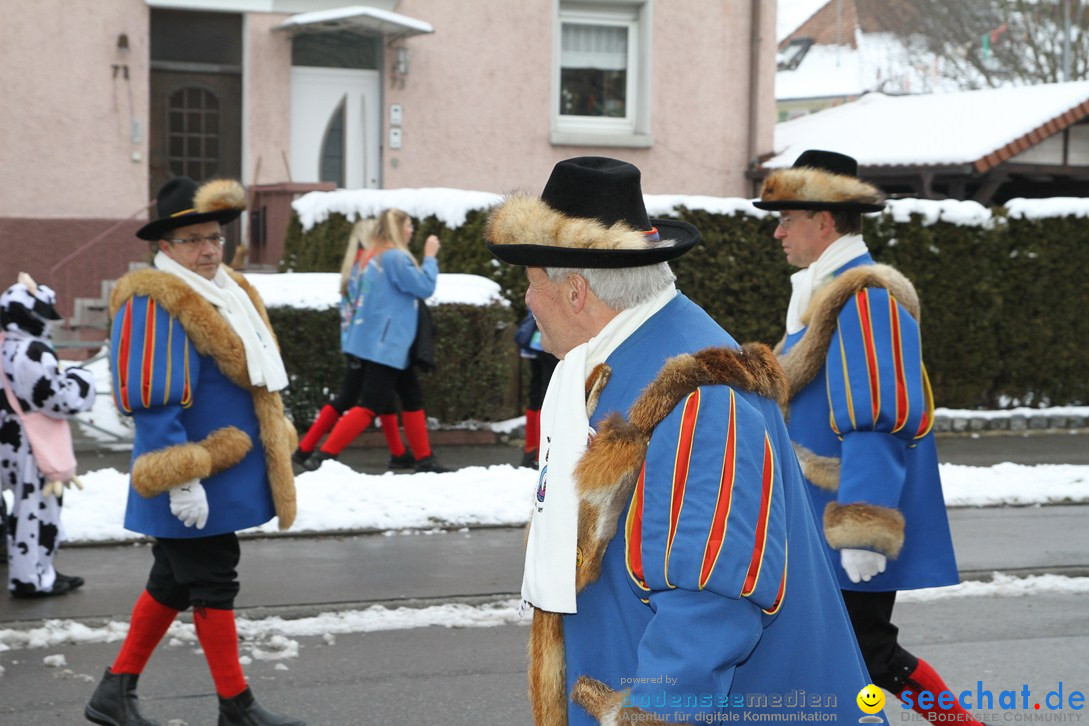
<point>392,284</point>
<point>359,253</point>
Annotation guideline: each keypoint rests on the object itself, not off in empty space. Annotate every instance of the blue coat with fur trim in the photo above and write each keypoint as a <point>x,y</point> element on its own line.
<point>703,585</point>
<point>180,371</point>
<point>860,418</point>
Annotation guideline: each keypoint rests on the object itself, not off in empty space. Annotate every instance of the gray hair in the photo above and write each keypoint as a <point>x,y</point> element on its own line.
<point>620,288</point>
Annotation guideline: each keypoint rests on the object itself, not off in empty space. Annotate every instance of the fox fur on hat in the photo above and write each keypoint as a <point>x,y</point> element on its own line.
<point>820,180</point>
<point>806,184</point>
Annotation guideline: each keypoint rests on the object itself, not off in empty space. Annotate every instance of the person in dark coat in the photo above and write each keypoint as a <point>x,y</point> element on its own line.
<point>541,365</point>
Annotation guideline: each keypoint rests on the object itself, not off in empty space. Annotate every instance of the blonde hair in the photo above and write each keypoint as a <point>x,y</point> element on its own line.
<point>391,230</point>
<point>362,235</point>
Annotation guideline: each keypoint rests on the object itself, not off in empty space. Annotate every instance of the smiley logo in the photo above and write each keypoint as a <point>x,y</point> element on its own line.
<point>871,699</point>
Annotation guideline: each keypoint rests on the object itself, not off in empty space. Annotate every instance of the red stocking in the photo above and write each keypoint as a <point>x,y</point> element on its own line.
<point>393,436</point>
<point>416,432</point>
<point>219,638</point>
<point>925,678</point>
<point>150,621</point>
<point>351,424</point>
<point>325,421</point>
<point>533,429</point>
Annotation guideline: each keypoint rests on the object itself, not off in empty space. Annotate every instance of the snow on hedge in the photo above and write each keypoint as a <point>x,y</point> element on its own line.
<point>321,290</point>
<point>451,206</point>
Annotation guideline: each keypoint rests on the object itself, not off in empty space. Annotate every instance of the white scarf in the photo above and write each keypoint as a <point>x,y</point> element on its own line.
<point>806,281</point>
<point>263,361</point>
<point>548,582</point>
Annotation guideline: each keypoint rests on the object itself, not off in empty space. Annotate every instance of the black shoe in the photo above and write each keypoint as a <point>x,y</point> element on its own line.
<point>428,464</point>
<point>73,581</point>
<point>244,710</point>
<point>114,702</point>
<point>24,590</point>
<point>300,458</point>
<point>529,459</point>
<point>314,462</point>
<point>404,461</point>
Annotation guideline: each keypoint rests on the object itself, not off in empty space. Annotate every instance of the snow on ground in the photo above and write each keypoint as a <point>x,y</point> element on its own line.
<point>1009,412</point>
<point>273,638</point>
<point>337,499</point>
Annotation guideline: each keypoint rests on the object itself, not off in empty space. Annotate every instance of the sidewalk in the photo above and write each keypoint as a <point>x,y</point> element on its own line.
<point>304,576</point>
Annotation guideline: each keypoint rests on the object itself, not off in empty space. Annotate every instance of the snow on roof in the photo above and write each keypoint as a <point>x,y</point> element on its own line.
<point>790,14</point>
<point>982,128</point>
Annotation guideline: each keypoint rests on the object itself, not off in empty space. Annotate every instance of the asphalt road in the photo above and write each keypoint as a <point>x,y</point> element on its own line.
<point>455,676</point>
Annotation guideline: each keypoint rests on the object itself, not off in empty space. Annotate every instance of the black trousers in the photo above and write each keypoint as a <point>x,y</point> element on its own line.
<point>376,385</point>
<point>871,616</point>
<point>540,373</point>
<point>200,572</point>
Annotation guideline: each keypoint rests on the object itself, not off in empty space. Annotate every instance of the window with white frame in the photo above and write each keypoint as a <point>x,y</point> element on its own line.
<point>601,69</point>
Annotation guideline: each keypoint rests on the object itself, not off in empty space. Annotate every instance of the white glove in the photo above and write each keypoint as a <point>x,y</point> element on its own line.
<point>862,565</point>
<point>56,488</point>
<point>189,503</point>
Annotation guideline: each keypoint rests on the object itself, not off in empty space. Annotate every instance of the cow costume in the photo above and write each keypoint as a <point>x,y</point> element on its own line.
<point>33,372</point>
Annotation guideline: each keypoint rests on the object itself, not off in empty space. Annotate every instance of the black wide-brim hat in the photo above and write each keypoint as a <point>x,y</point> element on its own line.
<point>820,180</point>
<point>591,214</point>
<point>182,202</point>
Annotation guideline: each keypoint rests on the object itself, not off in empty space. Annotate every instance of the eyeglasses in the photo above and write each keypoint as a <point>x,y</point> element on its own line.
<point>786,219</point>
<point>216,239</point>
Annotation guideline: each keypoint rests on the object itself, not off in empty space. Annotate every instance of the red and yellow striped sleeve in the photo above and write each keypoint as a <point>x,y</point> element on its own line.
<point>708,511</point>
<point>152,362</point>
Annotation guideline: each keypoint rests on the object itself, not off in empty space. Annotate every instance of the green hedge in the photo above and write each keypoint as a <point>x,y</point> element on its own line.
<point>1003,306</point>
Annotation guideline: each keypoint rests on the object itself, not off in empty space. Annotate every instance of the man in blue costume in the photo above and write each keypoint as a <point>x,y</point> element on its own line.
<point>672,561</point>
<point>861,411</point>
<point>196,365</point>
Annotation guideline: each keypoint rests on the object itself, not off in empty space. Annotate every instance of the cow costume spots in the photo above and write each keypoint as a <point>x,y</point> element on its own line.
<point>34,374</point>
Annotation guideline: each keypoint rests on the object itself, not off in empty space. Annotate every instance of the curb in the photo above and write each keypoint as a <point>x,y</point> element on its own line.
<point>1014,423</point>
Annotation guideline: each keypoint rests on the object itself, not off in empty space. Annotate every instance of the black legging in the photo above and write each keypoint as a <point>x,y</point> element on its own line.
<point>871,616</point>
<point>377,384</point>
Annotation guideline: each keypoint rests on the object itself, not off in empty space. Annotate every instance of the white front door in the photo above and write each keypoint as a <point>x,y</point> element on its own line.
<point>335,130</point>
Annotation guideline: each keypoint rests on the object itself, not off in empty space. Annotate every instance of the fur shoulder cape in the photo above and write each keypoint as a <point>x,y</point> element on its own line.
<point>605,480</point>
<point>210,334</point>
<point>806,359</point>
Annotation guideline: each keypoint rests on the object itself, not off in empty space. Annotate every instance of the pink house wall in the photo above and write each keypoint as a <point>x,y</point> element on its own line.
<point>476,104</point>
<point>266,100</point>
<point>71,162</point>
<point>476,100</point>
